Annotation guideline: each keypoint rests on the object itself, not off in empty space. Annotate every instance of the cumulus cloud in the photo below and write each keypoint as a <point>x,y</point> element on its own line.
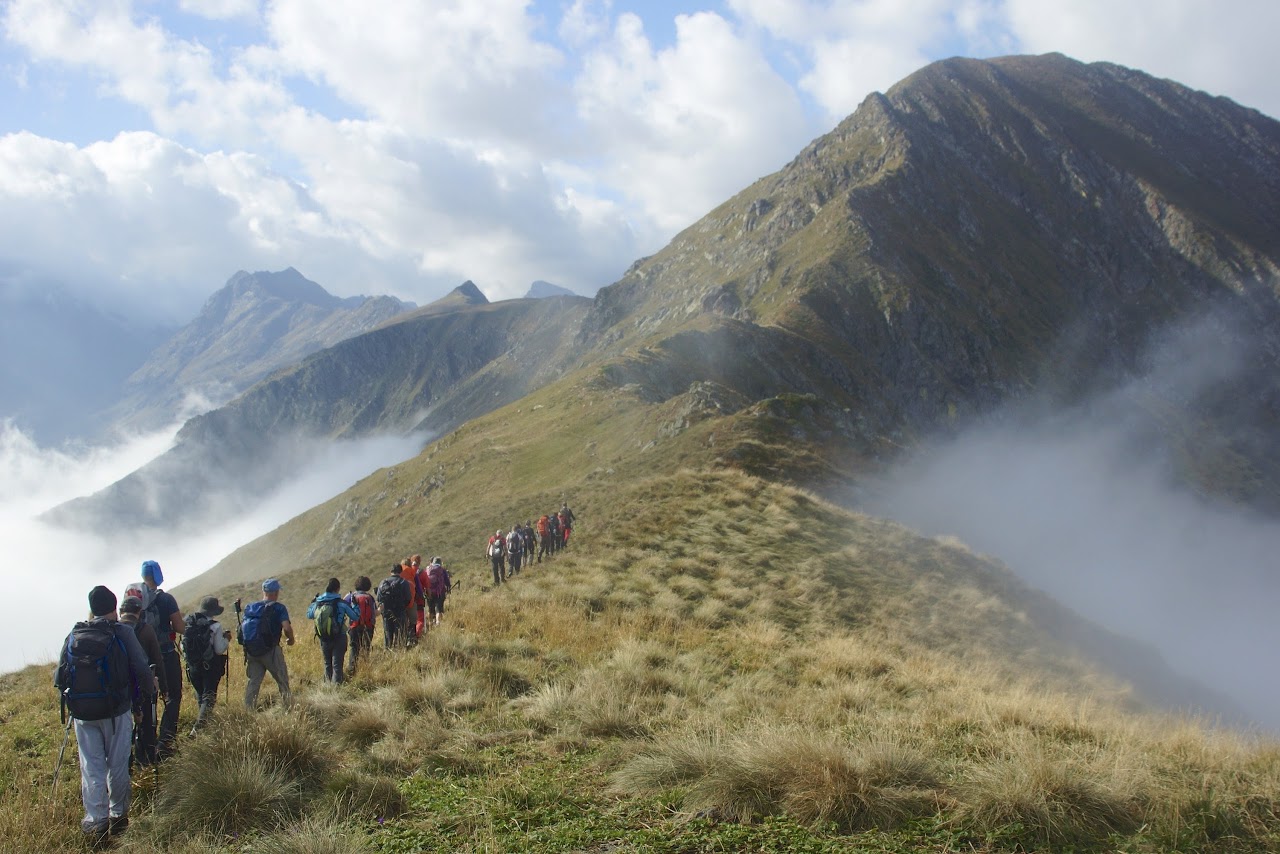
<point>686,126</point>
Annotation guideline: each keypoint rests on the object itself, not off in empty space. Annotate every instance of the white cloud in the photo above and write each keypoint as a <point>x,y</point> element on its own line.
<point>221,10</point>
<point>1223,48</point>
<point>455,69</point>
<point>689,126</point>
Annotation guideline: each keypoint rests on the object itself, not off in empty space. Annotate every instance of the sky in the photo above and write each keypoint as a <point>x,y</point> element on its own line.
<point>149,150</point>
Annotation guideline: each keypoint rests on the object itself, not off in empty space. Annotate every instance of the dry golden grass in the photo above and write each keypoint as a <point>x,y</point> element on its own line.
<point>725,645</point>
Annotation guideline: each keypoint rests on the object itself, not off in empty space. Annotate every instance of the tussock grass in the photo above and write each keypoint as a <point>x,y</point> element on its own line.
<point>793,675</point>
<point>229,791</point>
<point>316,836</point>
<point>1040,799</point>
<point>815,779</point>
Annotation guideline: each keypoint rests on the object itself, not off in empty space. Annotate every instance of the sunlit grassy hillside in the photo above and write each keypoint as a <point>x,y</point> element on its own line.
<point>717,663</point>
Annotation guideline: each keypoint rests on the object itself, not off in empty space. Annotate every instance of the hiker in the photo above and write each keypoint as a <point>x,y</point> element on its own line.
<point>166,618</point>
<point>361,634</point>
<point>553,531</point>
<point>566,525</point>
<point>205,644</point>
<point>530,541</point>
<point>100,668</point>
<point>260,630</point>
<point>544,536</point>
<point>144,714</point>
<point>495,551</point>
<point>566,514</point>
<point>331,614</point>
<point>515,549</point>
<point>439,586</point>
<point>419,610</point>
<point>393,597</point>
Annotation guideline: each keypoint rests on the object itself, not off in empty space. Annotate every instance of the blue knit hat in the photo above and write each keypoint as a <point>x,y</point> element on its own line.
<point>151,569</point>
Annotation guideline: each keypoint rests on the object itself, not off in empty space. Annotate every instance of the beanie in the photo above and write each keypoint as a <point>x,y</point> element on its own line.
<point>101,601</point>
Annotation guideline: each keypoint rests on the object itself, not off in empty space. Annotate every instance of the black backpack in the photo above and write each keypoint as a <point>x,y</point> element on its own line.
<point>197,641</point>
<point>391,595</point>
<point>93,674</point>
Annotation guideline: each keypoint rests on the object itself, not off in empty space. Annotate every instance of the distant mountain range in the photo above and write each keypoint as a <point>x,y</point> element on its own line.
<point>257,323</point>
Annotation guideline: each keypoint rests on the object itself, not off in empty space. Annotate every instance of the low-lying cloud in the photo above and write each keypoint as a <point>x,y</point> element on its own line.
<point>56,567</point>
<point>1085,505</point>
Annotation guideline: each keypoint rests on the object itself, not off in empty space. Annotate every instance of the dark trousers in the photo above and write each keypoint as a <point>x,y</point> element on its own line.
<point>393,629</point>
<point>335,655</point>
<point>361,641</point>
<point>205,685</point>
<point>173,705</point>
<point>499,569</point>
<point>514,557</point>
<point>544,547</point>
<point>144,734</point>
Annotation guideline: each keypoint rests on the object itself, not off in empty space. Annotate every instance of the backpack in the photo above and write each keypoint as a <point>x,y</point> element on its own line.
<point>197,641</point>
<point>362,602</point>
<point>94,674</point>
<point>515,543</point>
<point>438,579</point>
<point>392,596</point>
<point>260,629</point>
<point>150,609</point>
<point>328,623</point>
<point>495,547</point>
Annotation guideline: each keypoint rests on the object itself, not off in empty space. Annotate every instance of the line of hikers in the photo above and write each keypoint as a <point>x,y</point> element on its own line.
<point>528,543</point>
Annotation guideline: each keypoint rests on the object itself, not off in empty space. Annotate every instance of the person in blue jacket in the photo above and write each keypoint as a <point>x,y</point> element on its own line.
<point>332,613</point>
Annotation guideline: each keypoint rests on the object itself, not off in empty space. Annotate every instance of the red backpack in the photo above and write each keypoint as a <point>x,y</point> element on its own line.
<point>364,603</point>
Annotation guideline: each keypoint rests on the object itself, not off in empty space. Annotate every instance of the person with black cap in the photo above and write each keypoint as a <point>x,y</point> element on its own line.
<point>260,630</point>
<point>144,719</point>
<point>169,629</point>
<point>204,645</point>
<point>393,597</point>
<point>100,666</point>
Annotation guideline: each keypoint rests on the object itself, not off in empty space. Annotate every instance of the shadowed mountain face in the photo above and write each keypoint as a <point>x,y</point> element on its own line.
<point>986,232</point>
<point>257,323</point>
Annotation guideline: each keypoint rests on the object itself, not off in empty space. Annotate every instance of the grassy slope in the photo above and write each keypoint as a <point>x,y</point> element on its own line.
<point>718,663</point>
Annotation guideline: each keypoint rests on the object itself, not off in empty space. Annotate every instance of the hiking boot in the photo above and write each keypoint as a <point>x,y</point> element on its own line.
<point>98,836</point>
<point>117,825</point>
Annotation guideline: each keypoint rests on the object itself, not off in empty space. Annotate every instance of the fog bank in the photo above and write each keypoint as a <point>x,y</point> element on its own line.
<point>1087,504</point>
<point>59,567</point>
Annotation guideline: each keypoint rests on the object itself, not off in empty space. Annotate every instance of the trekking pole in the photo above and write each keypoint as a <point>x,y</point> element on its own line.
<point>66,736</point>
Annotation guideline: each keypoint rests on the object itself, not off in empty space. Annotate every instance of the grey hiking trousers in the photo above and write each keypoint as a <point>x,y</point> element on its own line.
<point>104,769</point>
<point>257,667</point>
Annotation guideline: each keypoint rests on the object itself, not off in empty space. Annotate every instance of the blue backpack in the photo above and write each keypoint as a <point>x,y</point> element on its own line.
<point>260,629</point>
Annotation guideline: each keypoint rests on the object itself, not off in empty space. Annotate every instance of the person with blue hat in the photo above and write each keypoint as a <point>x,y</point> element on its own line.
<point>164,615</point>
<point>260,631</point>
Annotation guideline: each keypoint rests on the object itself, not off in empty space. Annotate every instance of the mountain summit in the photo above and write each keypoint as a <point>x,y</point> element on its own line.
<point>255,324</point>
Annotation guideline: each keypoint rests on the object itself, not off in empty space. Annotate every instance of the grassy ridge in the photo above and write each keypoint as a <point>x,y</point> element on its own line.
<point>717,663</point>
